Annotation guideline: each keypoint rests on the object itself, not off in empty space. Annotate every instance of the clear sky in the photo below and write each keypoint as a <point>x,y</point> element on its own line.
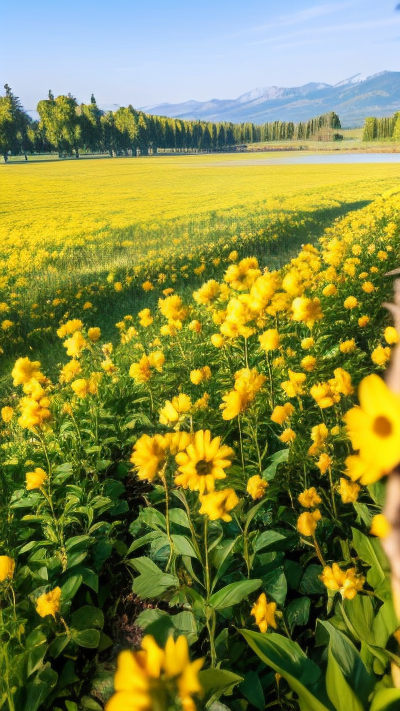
<point>146,52</point>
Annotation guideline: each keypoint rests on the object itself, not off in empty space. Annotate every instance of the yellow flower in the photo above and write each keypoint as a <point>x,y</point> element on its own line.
<point>391,335</point>
<point>380,526</point>
<point>49,603</point>
<point>306,310</point>
<point>196,376</point>
<point>374,427</point>
<point>282,412</point>
<point>269,340</point>
<point>348,491</point>
<point>145,318</point>
<point>94,334</point>
<point>363,321</point>
<point>195,326</point>
<point>359,470</point>
<point>368,287</point>
<point>69,327</point>
<point>264,613</point>
<point>75,344</point>
<point>324,462</point>
<point>6,324</point>
<point>24,370</point>
<point>218,504</point>
<point>350,303</point>
<point>33,413</point>
<point>35,479</point>
<point>341,383</point>
<point>69,371</point>
<point>217,340</point>
<point>80,387</point>
<point>147,286</point>
<point>347,582</point>
<point>380,355</point>
<point>108,366</point>
<point>7,414</point>
<point>172,308</point>
<point>330,290</point>
<point>141,371</point>
<point>307,343</point>
<point>87,305</point>
<point>157,360</point>
<point>294,386</point>
<point>118,286</point>
<point>348,346</point>
<point>256,487</point>
<point>308,363</point>
<point>176,410</point>
<point>203,462</point>
<point>309,498</point>
<point>307,522</point>
<point>149,456</point>
<point>287,436</point>
<point>7,567</point>
<point>247,385</point>
<point>144,677</point>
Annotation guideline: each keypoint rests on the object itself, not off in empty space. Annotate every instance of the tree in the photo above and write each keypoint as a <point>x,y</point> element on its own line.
<point>90,126</point>
<point>60,121</point>
<point>14,124</point>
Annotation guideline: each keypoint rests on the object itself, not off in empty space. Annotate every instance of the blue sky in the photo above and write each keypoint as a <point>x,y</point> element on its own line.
<point>143,53</point>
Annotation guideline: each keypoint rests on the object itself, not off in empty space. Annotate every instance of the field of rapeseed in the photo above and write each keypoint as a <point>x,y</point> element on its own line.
<point>205,488</point>
<point>72,235</point>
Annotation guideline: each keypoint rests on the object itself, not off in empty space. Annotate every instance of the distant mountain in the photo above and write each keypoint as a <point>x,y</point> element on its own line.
<point>353,99</point>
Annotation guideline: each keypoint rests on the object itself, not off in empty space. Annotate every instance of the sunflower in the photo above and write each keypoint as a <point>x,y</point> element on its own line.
<point>149,456</point>
<point>374,427</point>
<point>202,463</point>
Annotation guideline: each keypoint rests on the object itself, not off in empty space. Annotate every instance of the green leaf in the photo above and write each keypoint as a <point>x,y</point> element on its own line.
<point>267,538</point>
<point>77,541</point>
<point>153,518</point>
<point>233,594</point>
<point>147,617</point>
<point>217,682</point>
<point>298,612</point>
<point>87,616</point>
<point>270,472</point>
<point>287,658</point>
<point>180,517</point>
<point>370,551</point>
<point>152,582</point>
<point>386,700</point>
<point>142,541</point>
<point>339,691</point>
<point>70,587</point>
<point>310,583</point>
<point>86,638</point>
<point>37,690</point>
<point>252,690</point>
<point>345,660</point>
<point>275,585</point>
<point>359,617</point>
<point>183,546</point>
<point>90,704</point>
<point>384,625</point>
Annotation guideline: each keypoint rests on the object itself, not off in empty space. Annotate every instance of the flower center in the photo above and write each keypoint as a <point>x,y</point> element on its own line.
<point>382,426</point>
<point>203,468</point>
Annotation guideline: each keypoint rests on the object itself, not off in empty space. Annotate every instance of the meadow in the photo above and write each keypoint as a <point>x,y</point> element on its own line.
<point>196,435</point>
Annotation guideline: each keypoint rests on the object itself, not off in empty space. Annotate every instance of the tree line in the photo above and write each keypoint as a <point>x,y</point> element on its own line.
<point>378,129</point>
<point>68,128</point>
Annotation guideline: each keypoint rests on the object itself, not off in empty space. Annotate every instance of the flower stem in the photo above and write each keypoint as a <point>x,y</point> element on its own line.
<point>210,627</point>
<point>318,552</point>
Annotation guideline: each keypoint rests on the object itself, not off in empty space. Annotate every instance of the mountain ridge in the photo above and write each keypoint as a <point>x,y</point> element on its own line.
<point>353,99</point>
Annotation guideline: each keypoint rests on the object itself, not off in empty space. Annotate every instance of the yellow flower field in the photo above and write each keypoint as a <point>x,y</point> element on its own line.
<point>191,500</point>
